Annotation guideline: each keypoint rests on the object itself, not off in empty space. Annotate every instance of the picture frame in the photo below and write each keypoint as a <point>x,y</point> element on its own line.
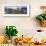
<point>16,10</point>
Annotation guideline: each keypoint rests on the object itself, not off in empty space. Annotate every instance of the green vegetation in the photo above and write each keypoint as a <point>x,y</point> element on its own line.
<point>11,31</point>
<point>41,17</point>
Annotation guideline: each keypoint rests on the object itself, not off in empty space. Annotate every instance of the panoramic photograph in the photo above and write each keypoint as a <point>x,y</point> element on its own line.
<point>15,9</point>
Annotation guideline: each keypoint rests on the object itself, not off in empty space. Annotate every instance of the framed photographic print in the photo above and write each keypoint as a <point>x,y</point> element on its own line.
<point>16,10</point>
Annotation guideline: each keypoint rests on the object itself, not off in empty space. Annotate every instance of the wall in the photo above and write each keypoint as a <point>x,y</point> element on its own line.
<point>25,25</point>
